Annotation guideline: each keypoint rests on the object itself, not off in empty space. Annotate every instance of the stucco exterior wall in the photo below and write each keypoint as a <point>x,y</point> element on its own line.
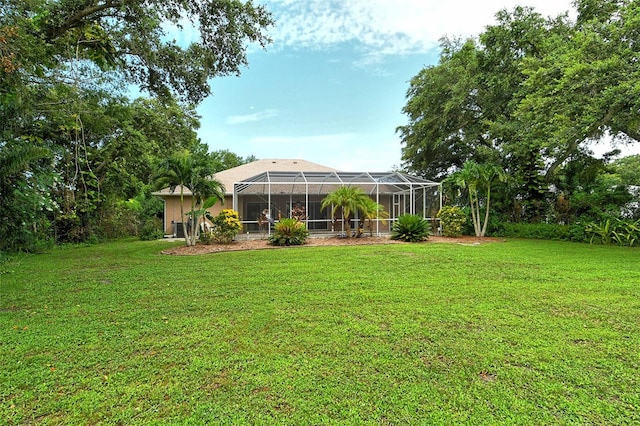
<point>172,211</point>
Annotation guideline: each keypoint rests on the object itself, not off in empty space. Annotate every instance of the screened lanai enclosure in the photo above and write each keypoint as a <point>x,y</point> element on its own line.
<point>275,195</point>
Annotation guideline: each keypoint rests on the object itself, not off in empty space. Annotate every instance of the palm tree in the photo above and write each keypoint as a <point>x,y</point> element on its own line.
<point>206,193</point>
<point>477,178</point>
<point>189,171</point>
<point>348,198</point>
<point>372,210</point>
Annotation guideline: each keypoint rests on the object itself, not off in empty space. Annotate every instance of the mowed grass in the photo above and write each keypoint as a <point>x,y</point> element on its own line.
<point>520,332</point>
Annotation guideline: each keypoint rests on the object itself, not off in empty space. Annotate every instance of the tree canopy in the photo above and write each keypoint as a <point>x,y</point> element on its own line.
<point>72,141</point>
<point>139,38</point>
<point>532,95</point>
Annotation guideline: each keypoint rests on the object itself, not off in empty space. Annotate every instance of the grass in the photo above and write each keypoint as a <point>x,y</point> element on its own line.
<point>522,332</point>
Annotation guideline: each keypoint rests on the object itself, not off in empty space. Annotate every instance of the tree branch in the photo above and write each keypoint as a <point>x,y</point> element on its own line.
<point>78,18</point>
<point>572,146</point>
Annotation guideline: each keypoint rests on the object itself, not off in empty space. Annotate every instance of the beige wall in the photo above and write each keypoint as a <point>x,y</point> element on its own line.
<point>172,210</point>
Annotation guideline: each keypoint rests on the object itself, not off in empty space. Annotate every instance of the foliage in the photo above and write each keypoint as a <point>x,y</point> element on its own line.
<point>66,122</point>
<point>134,39</point>
<point>25,204</point>
<point>225,226</point>
<point>371,211</point>
<point>191,171</point>
<point>410,228</point>
<point>590,189</point>
<point>288,232</point>
<point>224,159</point>
<point>349,200</point>
<point>614,231</point>
<point>151,229</point>
<point>541,231</point>
<point>477,180</point>
<point>149,215</point>
<point>628,168</point>
<point>503,333</point>
<point>532,95</point>
<point>452,220</point>
<point>117,219</point>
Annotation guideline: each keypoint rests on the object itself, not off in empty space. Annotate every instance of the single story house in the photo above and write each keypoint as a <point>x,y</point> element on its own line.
<point>277,188</point>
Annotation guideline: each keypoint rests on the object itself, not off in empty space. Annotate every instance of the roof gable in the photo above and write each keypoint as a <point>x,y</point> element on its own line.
<point>249,170</point>
<point>240,173</point>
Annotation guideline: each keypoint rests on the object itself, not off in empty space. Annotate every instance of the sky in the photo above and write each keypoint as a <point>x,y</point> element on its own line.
<point>331,87</point>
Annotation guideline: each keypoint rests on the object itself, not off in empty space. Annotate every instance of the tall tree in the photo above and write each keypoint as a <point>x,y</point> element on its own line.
<point>139,38</point>
<point>224,159</point>
<point>64,66</point>
<point>445,126</point>
<point>530,95</point>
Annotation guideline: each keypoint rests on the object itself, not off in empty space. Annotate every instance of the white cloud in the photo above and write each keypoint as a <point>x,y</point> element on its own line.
<point>388,27</point>
<point>256,116</point>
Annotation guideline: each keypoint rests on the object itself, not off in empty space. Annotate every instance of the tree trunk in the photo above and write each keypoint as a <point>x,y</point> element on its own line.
<point>486,213</point>
<point>475,216</point>
<point>185,229</point>
<point>347,224</point>
<point>192,234</point>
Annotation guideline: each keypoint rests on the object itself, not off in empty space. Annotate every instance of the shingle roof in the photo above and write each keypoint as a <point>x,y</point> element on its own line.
<point>176,191</point>
<point>249,170</point>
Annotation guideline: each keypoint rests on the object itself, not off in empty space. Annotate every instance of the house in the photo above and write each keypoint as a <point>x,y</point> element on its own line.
<point>277,188</point>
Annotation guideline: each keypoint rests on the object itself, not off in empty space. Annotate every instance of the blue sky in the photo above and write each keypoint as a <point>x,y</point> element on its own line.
<point>331,87</point>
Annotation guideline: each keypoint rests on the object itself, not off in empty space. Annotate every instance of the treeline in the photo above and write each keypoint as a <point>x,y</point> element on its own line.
<point>77,154</point>
<point>530,99</point>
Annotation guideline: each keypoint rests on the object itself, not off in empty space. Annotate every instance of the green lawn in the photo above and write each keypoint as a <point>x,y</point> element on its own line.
<point>521,332</point>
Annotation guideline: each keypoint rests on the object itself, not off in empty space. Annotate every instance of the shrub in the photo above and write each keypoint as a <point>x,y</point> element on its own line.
<point>452,220</point>
<point>627,233</point>
<point>541,231</point>
<point>288,232</point>
<point>410,228</point>
<point>614,231</point>
<point>151,229</point>
<point>225,226</point>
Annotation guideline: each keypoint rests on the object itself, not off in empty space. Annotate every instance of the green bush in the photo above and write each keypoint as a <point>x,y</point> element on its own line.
<point>410,228</point>
<point>288,232</point>
<point>151,229</point>
<point>541,231</point>
<point>614,231</point>
<point>452,220</point>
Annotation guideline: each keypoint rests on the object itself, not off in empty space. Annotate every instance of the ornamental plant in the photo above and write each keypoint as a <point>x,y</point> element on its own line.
<point>614,231</point>
<point>225,226</point>
<point>410,228</point>
<point>289,232</point>
<point>452,220</point>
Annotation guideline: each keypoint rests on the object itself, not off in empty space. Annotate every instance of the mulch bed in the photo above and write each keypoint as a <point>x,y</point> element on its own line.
<point>315,242</point>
